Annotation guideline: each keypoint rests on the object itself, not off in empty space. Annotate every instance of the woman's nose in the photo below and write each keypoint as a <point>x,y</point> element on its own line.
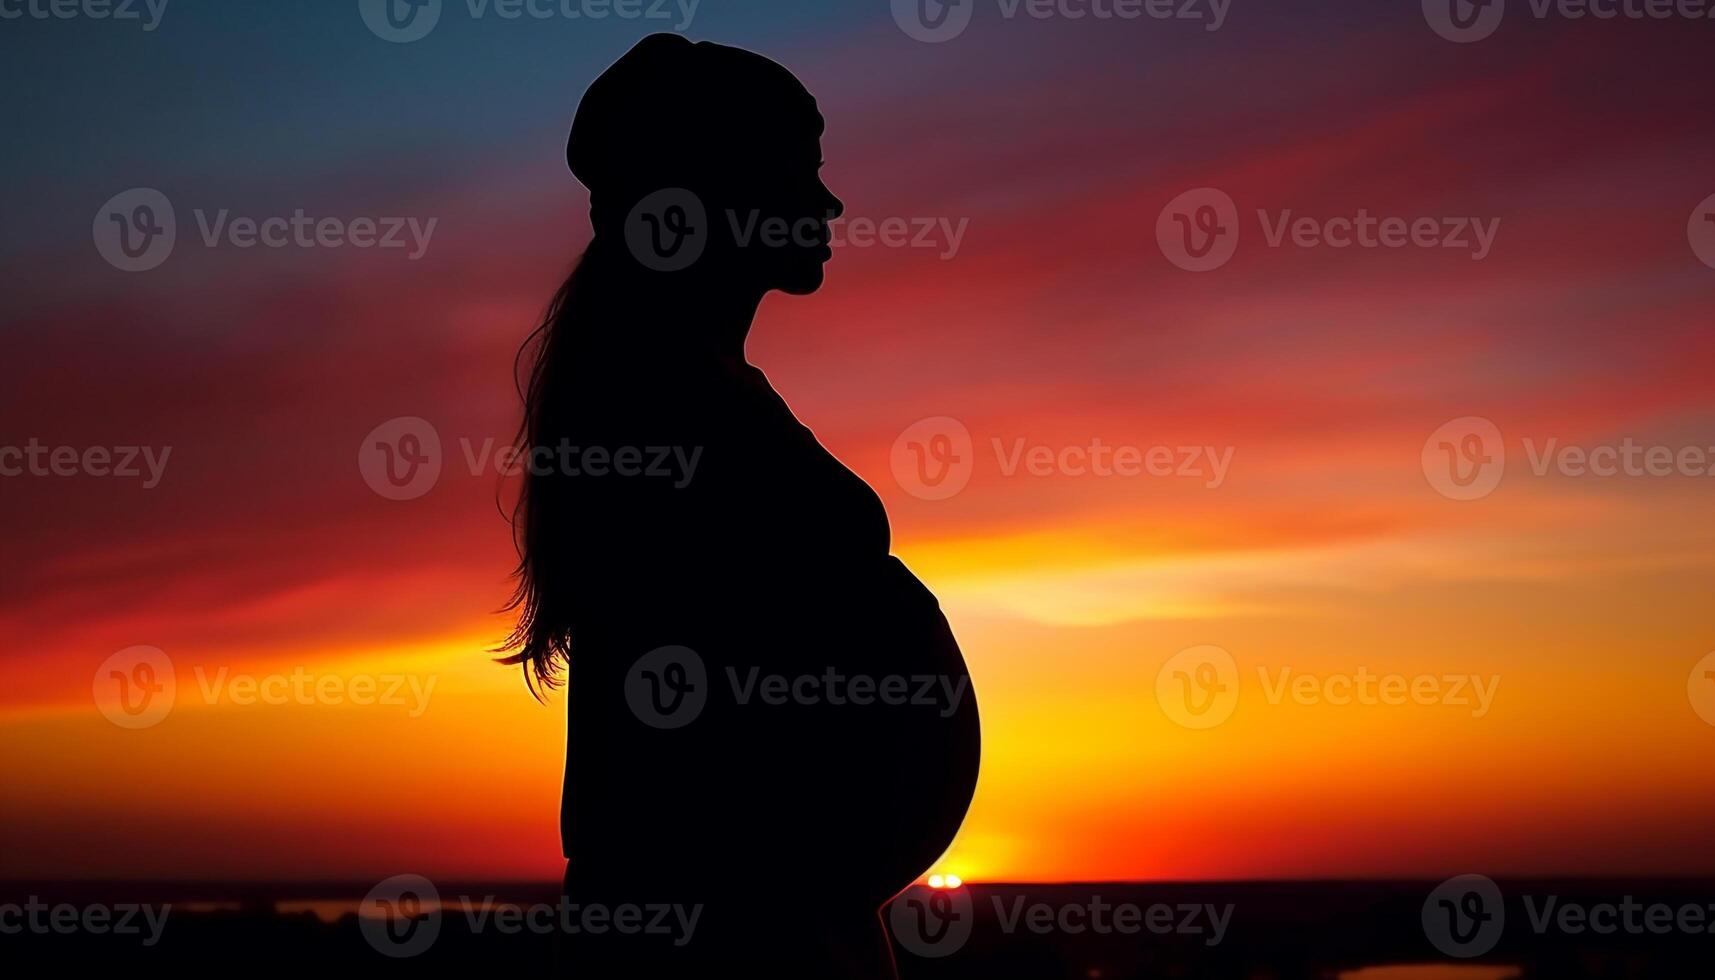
<point>836,207</point>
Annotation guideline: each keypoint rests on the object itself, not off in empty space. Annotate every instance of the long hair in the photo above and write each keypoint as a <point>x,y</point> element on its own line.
<point>541,641</point>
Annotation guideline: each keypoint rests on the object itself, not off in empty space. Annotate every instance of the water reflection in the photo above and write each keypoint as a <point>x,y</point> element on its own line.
<point>1433,971</point>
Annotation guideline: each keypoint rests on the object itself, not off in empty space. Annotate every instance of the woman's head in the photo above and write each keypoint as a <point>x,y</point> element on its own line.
<point>702,160</point>
<point>702,165</point>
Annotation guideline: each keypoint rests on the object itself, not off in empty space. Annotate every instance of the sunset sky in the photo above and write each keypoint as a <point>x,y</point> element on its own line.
<point>1318,373</point>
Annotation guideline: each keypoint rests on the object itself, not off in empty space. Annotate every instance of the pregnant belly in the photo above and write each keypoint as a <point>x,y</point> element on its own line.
<point>912,756</point>
<point>856,766</point>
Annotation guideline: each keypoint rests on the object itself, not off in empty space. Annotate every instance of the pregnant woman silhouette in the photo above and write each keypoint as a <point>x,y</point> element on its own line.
<point>771,728</point>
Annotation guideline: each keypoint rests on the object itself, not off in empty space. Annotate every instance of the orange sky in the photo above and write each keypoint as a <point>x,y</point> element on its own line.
<point>1324,550</point>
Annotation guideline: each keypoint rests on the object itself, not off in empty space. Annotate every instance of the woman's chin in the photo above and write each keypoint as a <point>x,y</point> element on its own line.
<point>803,280</point>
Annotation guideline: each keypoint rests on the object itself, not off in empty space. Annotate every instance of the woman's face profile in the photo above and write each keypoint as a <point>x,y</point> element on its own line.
<point>782,233</point>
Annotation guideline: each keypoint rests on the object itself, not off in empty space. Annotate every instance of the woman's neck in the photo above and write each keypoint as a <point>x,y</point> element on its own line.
<point>700,322</point>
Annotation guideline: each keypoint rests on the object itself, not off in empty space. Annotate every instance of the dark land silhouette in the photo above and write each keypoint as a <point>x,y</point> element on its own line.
<point>1276,931</point>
